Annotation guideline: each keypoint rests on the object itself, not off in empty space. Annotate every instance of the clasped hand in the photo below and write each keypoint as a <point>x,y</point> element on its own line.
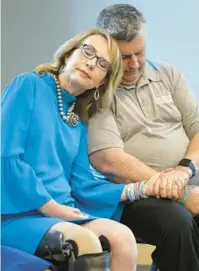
<point>167,184</point>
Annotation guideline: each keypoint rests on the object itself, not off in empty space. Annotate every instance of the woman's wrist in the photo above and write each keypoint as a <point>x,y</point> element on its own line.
<point>134,191</point>
<point>50,209</point>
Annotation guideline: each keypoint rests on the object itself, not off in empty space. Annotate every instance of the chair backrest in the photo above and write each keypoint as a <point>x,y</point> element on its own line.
<point>14,259</point>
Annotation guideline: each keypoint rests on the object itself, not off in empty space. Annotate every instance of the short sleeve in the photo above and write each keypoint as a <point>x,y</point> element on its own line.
<point>103,132</point>
<point>22,190</point>
<point>185,100</point>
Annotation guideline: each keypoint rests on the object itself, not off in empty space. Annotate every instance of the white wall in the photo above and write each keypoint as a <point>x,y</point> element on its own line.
<point>33,29</point>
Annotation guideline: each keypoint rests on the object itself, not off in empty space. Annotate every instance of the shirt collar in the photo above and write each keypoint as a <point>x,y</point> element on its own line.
<point>151,74</point>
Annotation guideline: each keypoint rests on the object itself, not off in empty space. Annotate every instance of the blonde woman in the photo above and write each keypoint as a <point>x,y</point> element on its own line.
<point>47,187</point>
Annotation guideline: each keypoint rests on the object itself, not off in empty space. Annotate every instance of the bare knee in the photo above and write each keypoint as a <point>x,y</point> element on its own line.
<point>121,238</point>
<point>86,240</point>
<point>123,241</point>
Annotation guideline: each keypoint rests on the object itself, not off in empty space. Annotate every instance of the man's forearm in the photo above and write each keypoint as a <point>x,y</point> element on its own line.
<point>120,166</point>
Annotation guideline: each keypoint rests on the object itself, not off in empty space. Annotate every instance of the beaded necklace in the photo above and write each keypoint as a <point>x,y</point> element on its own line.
<point>70,117</point>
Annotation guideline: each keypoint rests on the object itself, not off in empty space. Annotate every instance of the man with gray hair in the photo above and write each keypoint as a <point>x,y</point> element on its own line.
<point>151,132</point>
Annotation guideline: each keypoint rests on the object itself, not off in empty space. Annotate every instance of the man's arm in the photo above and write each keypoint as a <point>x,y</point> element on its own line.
<point>106,151</point>
<point>188,106</point>
<point>120,166</point>
<point>193,150</point>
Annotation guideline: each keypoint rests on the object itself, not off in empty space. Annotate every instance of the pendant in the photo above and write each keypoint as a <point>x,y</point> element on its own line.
<point>73,119</point>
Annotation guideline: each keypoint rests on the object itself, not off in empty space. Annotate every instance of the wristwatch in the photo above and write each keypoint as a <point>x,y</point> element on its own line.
<point>188,163</point>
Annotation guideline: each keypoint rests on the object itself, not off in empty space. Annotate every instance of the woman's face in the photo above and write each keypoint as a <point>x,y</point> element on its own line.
<point>88,65</point>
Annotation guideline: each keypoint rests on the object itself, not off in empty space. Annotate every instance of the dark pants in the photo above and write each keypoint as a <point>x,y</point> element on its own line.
<point>168,226</point>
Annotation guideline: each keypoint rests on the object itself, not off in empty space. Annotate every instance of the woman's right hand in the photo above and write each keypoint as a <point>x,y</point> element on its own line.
<point>54,209</point>
<point>71,212</point>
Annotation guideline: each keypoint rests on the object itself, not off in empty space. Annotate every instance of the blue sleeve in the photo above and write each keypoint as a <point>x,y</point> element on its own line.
<point>97,197</point>
<point>21,189</point>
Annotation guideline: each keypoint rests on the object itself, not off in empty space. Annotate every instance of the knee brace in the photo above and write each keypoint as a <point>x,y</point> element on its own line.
<point>105,243</point>
<point>53,248</point>
<point>63,253</point>
<point>95,261</point>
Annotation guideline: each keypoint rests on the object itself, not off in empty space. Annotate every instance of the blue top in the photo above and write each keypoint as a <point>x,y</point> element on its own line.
<point>44,158</point>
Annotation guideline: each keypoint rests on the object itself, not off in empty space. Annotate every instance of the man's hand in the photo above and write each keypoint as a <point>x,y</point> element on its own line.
<point>192,202</point>
<point>170,183</point>
<point>167,184</point>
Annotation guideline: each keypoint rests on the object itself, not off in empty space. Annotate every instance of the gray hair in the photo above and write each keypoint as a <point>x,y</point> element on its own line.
<point>121,21</point>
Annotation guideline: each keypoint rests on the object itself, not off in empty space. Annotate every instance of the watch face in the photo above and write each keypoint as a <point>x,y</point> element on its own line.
<point>185,162</point>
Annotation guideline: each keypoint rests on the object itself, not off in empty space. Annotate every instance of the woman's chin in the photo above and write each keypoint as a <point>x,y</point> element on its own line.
<point>79,87</point>
<point>80,81</point>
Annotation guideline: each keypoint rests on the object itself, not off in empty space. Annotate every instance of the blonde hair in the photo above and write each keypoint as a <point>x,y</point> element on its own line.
<point>86,105</point>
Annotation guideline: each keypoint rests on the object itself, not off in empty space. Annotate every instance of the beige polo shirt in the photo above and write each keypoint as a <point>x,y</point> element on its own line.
<point>153,121</point>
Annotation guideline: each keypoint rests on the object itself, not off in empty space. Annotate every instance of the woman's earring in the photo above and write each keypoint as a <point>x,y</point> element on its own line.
<point>96,94</point>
